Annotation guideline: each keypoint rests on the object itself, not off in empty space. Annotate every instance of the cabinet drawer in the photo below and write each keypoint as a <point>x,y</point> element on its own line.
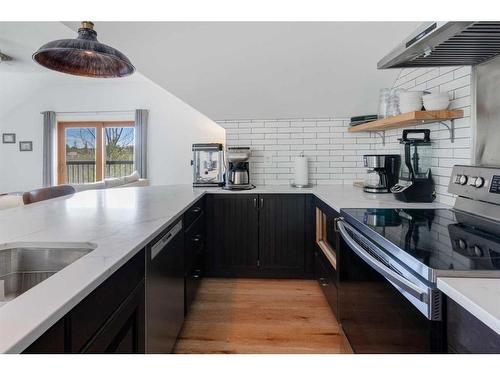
<point>193,212</point>
<point>91,314</point>
<point>326,276</point>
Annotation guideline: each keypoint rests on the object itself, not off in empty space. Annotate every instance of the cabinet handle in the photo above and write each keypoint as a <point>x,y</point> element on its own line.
<point>196,209</point>
<point>255,203</point>
<point>335,225</point>
<point>323,281</point>
<point>196,238</point>
<point>261,202</point>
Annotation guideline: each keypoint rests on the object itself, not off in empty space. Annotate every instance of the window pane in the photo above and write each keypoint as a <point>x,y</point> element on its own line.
<point>80,155</point>
<point>119,156</point>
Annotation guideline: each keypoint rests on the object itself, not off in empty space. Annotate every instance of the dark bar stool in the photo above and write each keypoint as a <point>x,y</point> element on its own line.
<point>42,194</point>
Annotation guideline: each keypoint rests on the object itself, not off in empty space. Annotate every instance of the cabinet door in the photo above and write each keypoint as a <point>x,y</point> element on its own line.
<point>467,334</point>
<point>282,234</point>
<point>124,331</point>
<point>232,234</point>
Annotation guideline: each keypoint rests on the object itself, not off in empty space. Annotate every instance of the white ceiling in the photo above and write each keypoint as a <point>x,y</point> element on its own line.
<point>263,70</point>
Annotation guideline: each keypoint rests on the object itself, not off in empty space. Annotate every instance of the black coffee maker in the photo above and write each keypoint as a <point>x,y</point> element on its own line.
<point>415,181</point>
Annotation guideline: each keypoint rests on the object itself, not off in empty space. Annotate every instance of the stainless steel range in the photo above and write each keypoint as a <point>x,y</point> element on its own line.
<point>393,258</point>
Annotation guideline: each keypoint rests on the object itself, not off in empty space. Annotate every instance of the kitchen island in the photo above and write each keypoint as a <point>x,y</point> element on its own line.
<point>119,223</point>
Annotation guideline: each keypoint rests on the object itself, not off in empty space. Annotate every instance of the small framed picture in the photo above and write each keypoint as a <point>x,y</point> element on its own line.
<point>8,138</point>
<point>25,146</point>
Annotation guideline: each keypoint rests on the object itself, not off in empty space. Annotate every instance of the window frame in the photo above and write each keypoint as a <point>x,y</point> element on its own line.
<point>99,126</point>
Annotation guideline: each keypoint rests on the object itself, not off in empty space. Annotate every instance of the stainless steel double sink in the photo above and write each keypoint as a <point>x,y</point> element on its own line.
<point>24,265</point>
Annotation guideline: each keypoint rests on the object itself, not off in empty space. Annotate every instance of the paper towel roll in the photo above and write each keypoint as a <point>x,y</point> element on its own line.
<point>301,171</point>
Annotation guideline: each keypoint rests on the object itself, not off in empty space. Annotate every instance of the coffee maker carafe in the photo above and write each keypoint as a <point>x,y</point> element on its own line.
<point>383,171</point>
<point>415,181</point>
<point>237,171</point>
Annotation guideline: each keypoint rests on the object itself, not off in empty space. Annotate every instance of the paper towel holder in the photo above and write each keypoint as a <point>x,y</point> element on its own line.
<point>294,185</point>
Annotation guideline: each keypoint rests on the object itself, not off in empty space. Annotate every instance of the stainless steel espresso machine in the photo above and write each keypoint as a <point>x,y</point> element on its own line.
<point>237,170</point>
<point>383,172</point>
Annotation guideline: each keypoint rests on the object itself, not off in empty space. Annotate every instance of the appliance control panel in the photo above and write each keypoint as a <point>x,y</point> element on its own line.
<point>477,183</point>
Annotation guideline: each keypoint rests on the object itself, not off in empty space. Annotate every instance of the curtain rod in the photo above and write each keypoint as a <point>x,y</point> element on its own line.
<point>95,112</point>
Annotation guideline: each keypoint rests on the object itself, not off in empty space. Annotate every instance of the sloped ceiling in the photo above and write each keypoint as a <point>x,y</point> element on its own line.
<point>263,70</point>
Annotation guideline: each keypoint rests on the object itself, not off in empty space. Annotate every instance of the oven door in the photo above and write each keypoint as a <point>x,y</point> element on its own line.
<point>383,308</point>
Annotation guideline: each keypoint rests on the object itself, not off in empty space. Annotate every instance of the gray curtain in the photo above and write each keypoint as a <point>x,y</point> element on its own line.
<point>141,142</point>
<point>49,128</point>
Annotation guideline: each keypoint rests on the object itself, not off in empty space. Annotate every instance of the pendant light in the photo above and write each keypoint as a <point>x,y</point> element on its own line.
<point>84,56</point>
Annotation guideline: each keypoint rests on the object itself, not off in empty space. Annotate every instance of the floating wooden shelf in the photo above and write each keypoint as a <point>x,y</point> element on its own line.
<point>408,119</point>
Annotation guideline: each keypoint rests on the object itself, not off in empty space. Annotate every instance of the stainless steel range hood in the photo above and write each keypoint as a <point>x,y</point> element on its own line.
<point>446,44</point>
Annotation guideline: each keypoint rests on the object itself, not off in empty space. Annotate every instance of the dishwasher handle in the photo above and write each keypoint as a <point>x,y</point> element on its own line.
<point>163,242</point>
<point>381,268</point>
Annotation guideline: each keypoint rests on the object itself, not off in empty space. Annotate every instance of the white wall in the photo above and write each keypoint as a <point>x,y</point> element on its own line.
<point>336,155</point>
<point>173,127</point>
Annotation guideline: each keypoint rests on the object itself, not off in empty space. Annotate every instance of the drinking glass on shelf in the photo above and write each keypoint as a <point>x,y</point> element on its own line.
<point>383,102</point>
<point>393,102</point>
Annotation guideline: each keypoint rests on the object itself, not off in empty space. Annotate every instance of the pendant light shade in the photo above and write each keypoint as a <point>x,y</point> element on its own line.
<point>84,56</point>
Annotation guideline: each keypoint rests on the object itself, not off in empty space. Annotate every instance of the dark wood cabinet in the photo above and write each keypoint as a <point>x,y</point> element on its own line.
<point>86,319</point>
<point>257,235</point>
<point>282,235</point>
<point>467,334</point>
<point>124,332</point>
<point>108,320</point>
<point>232,234</point>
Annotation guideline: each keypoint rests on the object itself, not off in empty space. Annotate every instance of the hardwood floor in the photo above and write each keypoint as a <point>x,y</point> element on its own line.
<point>260,316</point>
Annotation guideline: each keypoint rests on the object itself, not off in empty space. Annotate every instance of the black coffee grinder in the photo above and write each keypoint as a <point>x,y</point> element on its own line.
<point>415,181</point>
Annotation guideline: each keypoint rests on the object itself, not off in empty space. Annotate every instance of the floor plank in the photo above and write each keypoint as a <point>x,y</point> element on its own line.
<point>260,316</point>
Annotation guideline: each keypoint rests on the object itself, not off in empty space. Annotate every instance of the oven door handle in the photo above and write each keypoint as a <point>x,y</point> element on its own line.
<point>389,274</point>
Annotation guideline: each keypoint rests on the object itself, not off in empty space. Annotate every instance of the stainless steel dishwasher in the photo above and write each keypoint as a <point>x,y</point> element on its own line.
<point>165,290</point>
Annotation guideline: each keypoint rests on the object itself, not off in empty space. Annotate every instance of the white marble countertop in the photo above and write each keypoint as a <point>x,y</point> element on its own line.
<point>119,222</point>
<point>481,297</point>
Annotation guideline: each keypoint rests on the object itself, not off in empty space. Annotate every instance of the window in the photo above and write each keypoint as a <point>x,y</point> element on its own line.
<point>92,151</point>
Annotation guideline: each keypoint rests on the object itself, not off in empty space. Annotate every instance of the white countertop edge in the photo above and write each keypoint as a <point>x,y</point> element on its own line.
<point>473,294</point>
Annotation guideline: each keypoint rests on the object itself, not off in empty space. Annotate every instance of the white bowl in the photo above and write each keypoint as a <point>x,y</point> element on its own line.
<point>436,95</point>
<point>437,104</point>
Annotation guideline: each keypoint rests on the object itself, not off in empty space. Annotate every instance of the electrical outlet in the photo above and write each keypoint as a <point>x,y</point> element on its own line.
<point>268,158</point>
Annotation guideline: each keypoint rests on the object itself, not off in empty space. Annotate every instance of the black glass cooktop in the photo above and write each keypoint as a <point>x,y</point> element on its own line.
<point>440,239</point>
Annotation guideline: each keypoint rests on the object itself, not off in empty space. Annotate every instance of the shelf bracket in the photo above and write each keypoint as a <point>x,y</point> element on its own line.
<point>451,129</point>
<point>381,134</point>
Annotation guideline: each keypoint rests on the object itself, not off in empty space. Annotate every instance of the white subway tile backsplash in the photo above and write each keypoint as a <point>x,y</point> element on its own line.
<point>336,156</point>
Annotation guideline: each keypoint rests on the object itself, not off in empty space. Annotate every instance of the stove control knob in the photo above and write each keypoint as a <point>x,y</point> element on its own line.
<point>462,244</point>
<point>479,182</point>
<point>462,180</point>
<point>478,251</point>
